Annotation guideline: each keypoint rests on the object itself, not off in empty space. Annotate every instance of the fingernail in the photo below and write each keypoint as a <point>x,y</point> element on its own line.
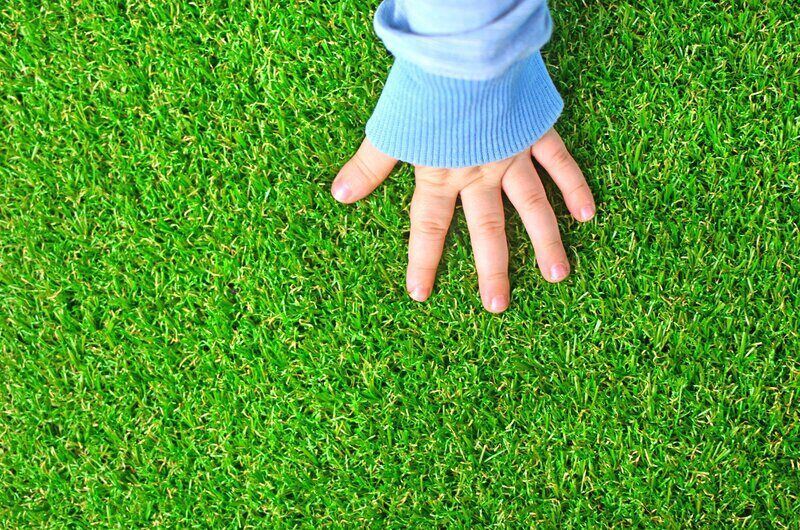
<point>558,272</point>
<point>499,303</point>
<point>341,191</point>
<point>587,212</point>
<point>420,294</point>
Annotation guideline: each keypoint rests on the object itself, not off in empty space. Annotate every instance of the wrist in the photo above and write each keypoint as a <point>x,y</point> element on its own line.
<point>436,121</point>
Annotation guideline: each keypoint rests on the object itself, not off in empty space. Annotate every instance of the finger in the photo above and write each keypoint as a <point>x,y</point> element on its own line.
<point>525,191</point>
<point>431,213</point>
<point>553,155</point>
<point>362,174</point>
<point>483,208</point>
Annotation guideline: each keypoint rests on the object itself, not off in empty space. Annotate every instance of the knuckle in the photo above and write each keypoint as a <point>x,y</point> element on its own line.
<point>490,225</point>
<point>430,227</point>
<point>432,178</point>
<point>552,246</point>
<point>535,201</point>
<point>561,156</point>
<point>580,189</point>
<point>486,177</point>
<point>417,270</point>
<point>363,171</point>
<point>496,276</point>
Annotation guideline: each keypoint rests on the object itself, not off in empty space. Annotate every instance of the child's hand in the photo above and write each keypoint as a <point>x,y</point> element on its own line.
<point>480,189</point>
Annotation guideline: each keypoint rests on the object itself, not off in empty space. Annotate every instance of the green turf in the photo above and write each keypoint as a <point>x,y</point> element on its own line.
<point>193,333</point>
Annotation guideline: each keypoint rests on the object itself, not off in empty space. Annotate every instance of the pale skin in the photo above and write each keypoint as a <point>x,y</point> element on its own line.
<point>480,189</point>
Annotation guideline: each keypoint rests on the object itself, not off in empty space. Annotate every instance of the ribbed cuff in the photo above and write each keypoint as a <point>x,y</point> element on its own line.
<point>435,121</point>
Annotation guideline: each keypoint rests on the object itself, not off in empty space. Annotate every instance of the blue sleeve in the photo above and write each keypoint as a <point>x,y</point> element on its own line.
<point>468,85</point>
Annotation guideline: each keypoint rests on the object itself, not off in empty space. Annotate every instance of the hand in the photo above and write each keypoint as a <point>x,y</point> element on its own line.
<point>480,189</point>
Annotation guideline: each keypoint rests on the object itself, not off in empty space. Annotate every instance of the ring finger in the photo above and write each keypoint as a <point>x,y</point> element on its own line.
<point>525,191</point>
<point>483,208</point>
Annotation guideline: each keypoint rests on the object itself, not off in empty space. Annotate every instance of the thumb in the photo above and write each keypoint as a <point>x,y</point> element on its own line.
<point>362,174</point>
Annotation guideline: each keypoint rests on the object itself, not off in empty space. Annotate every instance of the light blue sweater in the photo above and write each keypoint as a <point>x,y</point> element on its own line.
<point>468,85</point>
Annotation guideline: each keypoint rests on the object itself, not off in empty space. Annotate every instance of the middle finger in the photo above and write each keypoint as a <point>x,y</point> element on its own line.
<point>483,208</point>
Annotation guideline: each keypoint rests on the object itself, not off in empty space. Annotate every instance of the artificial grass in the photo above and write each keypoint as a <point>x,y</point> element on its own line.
<point>193,333</point>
